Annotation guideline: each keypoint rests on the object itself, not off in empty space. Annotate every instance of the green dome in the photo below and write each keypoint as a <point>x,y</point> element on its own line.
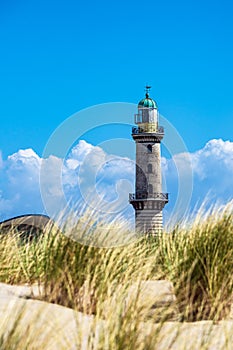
<point>147,102</point>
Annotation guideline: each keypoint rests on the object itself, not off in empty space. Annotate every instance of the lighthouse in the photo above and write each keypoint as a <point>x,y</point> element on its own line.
<point>148,200</point>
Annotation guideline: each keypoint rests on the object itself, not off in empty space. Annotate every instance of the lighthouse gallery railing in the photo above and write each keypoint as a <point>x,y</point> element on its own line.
<point>155,195</point>
<point>139,130</point>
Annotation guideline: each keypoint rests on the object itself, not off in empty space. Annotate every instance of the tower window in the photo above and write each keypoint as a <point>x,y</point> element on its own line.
<point>150,189</point>
<point>149,168</point>
<point>149,148</point>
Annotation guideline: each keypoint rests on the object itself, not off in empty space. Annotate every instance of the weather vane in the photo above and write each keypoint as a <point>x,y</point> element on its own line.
<point>147,88</point>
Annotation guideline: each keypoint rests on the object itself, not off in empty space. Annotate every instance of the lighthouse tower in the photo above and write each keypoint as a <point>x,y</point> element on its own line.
<point>148,200</point>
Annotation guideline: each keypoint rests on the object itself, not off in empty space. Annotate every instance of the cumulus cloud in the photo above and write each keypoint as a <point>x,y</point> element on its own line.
<point>98,179</point>
<point>19,184</point>
<point>212,168</point>
<point>90,175</point>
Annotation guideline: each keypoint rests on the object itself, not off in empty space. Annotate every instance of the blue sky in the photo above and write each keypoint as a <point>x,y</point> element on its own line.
<point>58,57</point>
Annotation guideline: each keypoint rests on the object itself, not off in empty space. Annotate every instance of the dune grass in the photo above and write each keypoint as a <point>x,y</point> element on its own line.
<point>197,257</point>
<point>199,261</point>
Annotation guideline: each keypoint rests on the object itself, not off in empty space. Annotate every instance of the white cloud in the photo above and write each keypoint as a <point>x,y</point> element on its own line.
<point>78,153</point>
<point>100,179</point>
<point>88,172</point>
<point>212,168</point>
<point>19,184</point>
<point>216,155</point>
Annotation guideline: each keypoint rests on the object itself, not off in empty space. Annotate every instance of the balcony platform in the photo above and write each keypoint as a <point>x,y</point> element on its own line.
<point>148,196</point>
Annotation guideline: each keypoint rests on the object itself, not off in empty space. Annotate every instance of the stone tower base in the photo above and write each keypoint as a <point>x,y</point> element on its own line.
<point>149,221</point>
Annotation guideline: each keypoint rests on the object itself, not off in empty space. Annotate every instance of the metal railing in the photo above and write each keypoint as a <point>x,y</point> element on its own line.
<point>155,195</point>
<point>139,130</point>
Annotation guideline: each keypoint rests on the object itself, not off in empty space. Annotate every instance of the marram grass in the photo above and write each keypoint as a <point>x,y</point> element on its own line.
<point>197,257</point>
